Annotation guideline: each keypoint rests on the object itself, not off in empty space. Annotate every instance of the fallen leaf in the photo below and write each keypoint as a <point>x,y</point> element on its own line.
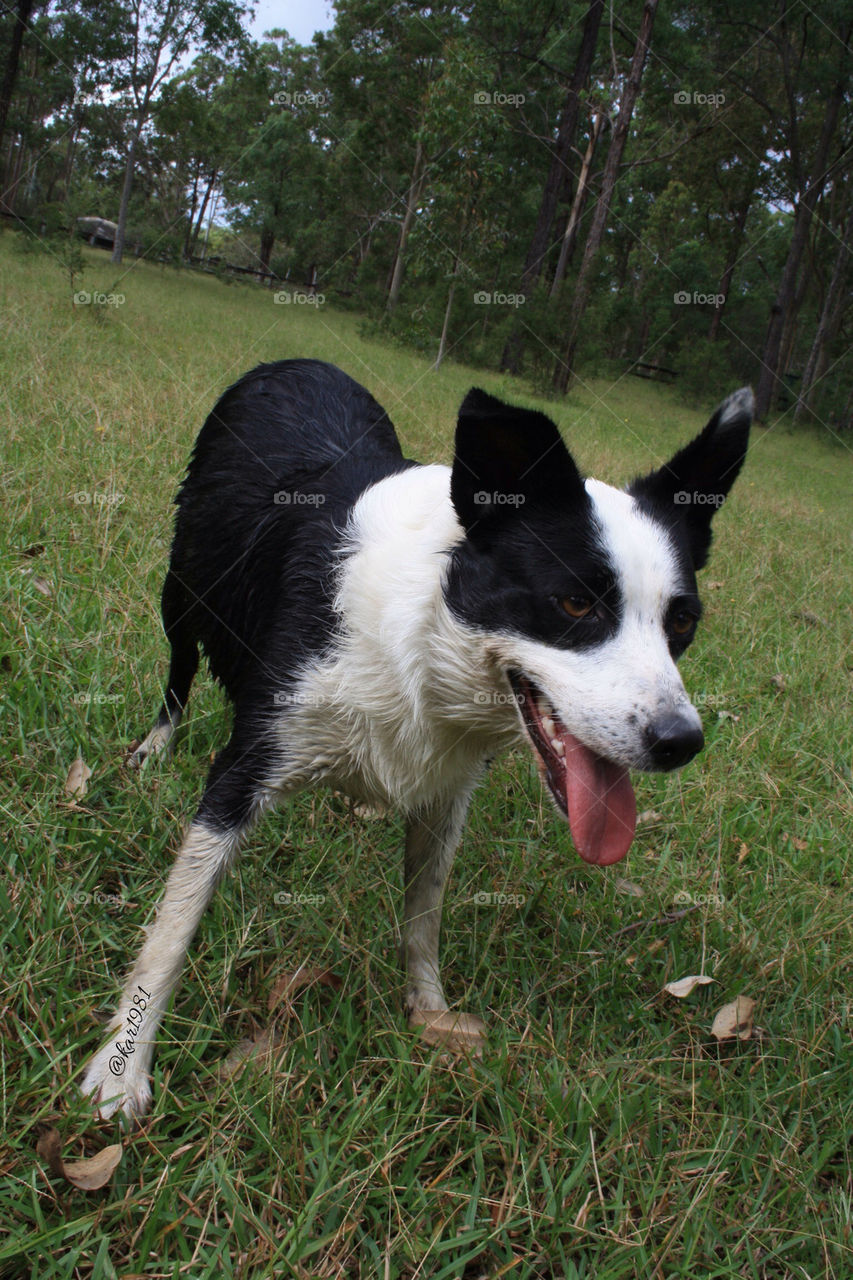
<point>77,779</point>
<point>90,1174</point>
<point>778,683</point>
<point>628,887</point>
<point>36,549</point>
<point>260,1045</point>
<point>464,1032</point>
<point>743,852</point>
<point>649,815</point>
<point>734,1019</point>
<point>42,585</point>
<point>304,976</point>
<point>683,986</point>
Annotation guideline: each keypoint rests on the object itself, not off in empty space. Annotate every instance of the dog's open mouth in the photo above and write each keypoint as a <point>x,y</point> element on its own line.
<point>595,794</point>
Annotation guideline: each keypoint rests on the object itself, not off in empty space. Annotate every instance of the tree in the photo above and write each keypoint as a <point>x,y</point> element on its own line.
<point>564,369</point>
<point>559,169</point>
<point>23,12</point>
<point>158,34</point>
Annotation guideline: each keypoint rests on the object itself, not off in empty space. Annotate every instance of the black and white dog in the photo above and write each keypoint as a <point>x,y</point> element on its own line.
<point>386,628</point>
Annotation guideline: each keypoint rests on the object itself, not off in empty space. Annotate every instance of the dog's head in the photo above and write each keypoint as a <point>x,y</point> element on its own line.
<point>587,596</point>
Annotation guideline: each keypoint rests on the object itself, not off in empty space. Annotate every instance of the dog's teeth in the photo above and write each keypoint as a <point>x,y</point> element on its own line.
<point>557,744</point>
<point>549,726</point>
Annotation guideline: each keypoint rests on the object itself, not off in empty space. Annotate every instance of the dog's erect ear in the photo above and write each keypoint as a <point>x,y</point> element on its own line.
<point>508,459</point>
<point>693,485</point>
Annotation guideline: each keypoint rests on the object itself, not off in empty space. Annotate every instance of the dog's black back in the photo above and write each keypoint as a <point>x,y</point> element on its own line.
<point>263,498</point>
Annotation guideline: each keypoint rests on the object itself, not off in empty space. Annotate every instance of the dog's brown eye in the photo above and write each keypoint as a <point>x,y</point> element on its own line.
<point>577,606</point>
<point>682,622</point>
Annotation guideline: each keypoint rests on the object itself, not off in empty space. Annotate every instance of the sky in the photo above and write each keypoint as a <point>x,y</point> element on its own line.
<point>301,18</point>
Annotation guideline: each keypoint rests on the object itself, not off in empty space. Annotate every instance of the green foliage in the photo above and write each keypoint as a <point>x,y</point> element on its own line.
<point>309,156</point>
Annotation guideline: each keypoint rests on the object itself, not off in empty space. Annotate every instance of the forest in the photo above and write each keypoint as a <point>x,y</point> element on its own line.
<point>557,191</point>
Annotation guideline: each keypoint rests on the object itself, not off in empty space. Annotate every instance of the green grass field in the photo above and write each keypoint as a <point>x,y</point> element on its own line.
<point>605,1132</point>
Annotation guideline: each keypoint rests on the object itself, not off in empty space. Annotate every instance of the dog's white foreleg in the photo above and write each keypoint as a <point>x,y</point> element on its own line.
<point>432,835</point>
<point>117,1077</point>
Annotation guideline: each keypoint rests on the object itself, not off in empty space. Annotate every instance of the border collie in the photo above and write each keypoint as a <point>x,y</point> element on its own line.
<point>386,628</point>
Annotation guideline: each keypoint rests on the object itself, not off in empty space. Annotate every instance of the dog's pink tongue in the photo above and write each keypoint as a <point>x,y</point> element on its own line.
<point>602,807</point>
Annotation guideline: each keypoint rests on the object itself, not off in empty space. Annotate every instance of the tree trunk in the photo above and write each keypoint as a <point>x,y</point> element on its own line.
<point>188,234</point>
<point>829,316</point>
<point>560,160</point>
<point>780,312</point>
<point>564,369</point>
<point>412,197</point>
<point>267,242</point>
<point>442,343</point>
<point>741,215</point>
<point>13,57</point>
<point>121,228</point>
<point>570,233</point>
<point>199,223</point>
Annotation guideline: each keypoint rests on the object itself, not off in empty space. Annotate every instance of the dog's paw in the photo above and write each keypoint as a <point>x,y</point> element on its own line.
<point>153,745</point>
<point>452,1030</point>
<point>114,1084</point>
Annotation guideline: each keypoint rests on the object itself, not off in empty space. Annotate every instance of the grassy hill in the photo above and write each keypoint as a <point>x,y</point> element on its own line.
<point>604,1132</point>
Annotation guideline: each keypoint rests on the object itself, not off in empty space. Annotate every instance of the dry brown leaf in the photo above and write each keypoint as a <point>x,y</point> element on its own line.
<point>42,585</point>
<point>734,1019</point>
<point>77,779</point>
<point>463,1032</point>
<point>305,976</point>
<point>683,986</point>
<point>258,1046</point>
<point>90,1174</point>
<point>743,852</point>
<point>628,887</point>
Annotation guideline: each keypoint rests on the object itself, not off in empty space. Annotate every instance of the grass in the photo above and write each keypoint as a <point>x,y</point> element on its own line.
<point>604,1133</point>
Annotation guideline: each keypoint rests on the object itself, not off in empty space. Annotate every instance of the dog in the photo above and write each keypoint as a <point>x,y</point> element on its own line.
<point>387,628</point>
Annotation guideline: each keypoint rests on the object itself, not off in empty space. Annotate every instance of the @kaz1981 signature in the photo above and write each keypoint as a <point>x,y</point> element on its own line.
<point>134,1022</point>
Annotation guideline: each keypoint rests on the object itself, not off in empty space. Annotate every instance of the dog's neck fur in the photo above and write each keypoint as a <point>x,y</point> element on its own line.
<point>410,700</point>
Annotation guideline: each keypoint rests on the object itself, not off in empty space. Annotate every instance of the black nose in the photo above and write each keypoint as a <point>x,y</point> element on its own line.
<point>672,740</point>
